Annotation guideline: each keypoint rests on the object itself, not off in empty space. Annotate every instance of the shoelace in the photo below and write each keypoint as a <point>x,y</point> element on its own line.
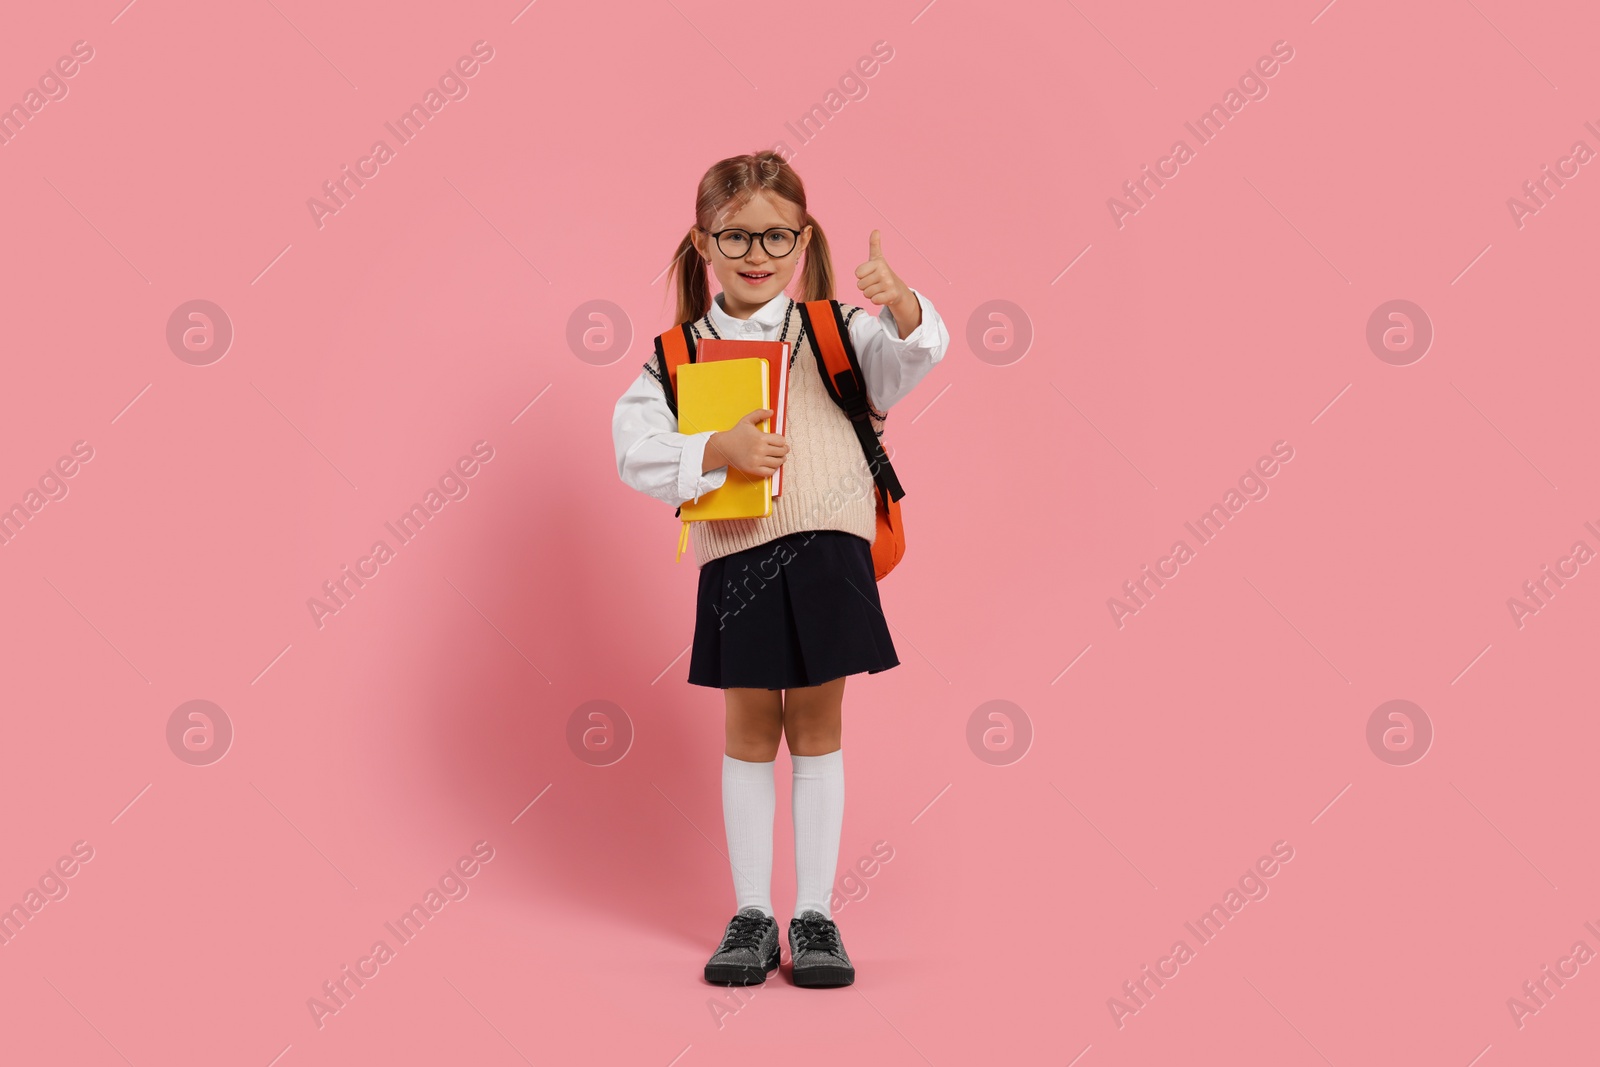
<point>745,931</point>
<point>820,935</point>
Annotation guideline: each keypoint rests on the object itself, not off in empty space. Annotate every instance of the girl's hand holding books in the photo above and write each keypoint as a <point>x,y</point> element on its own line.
<point>747,448</point>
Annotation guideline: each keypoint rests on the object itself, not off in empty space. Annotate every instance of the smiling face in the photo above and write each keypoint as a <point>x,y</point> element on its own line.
<point>751,280</point>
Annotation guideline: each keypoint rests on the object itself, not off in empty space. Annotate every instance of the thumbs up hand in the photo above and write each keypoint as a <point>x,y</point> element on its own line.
<point>880,284</point>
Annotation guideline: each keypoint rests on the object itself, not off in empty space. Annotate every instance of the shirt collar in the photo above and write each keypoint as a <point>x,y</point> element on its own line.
<point>770,315</point>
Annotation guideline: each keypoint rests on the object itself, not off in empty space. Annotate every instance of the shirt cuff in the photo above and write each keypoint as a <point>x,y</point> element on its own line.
<point>691,481</point>
<point>924,336</point>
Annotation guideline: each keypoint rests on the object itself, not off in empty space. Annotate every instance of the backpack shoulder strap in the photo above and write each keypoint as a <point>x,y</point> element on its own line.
<point>673,349</point>
<point>841,373</point>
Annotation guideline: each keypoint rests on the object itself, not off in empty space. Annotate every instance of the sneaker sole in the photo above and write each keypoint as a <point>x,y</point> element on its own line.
<point>824,977</point>
<point>737,974</point>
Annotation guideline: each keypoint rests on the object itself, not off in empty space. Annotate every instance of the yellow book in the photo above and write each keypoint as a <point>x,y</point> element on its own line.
<point>715,396</point>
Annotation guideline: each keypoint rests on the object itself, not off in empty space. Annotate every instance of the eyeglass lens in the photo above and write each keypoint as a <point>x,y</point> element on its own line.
<point>736,243</point>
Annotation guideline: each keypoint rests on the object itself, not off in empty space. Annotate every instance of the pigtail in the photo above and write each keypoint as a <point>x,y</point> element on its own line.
<point>688,273</point>
<point>816,277</point>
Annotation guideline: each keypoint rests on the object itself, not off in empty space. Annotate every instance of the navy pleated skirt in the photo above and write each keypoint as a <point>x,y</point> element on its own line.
<point>799,610</point>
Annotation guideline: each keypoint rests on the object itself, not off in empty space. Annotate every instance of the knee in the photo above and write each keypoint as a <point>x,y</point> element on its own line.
<point>754,742</point>
<point>753,749</point>
<point>811,735</point>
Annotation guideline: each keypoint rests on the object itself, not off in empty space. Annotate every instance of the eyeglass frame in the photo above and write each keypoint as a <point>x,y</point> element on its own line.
<point>717,239</point>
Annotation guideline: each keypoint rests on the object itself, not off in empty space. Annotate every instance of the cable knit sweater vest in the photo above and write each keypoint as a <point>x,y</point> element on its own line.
<point>827,484</point>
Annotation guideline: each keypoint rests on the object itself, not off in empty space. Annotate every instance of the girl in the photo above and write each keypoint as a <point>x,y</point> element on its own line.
<point>788,604</point>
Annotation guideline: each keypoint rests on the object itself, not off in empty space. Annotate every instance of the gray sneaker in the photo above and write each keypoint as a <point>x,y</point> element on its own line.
<point>817,953</point>
<point>749,950</point>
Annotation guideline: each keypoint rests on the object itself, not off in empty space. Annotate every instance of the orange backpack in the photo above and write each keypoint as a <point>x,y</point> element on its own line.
<point>841,373</point>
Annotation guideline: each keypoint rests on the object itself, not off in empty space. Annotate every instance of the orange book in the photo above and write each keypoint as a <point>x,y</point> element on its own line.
<point>776,353</point>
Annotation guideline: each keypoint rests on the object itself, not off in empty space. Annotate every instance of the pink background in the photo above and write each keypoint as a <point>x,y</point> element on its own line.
<point>1230,713</point>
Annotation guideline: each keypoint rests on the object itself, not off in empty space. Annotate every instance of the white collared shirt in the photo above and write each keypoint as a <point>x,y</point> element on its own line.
<point>654,458</point>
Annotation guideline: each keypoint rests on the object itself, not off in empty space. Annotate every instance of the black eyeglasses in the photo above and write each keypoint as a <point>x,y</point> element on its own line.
<point>779,241</point>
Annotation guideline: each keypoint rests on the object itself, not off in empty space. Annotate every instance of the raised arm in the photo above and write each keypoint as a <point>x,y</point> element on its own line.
<point>893,365</point>
<point>899,347</point>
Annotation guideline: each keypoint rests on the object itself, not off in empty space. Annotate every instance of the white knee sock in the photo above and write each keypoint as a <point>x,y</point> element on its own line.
<point>818,819</point>
<point>748,803</point>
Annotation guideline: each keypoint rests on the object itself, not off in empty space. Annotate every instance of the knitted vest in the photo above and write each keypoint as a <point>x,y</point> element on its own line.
<point>827,484</point>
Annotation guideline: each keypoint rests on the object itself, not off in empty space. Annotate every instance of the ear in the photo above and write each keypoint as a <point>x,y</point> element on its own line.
<point>701,242</point>
<point>805,237</point>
